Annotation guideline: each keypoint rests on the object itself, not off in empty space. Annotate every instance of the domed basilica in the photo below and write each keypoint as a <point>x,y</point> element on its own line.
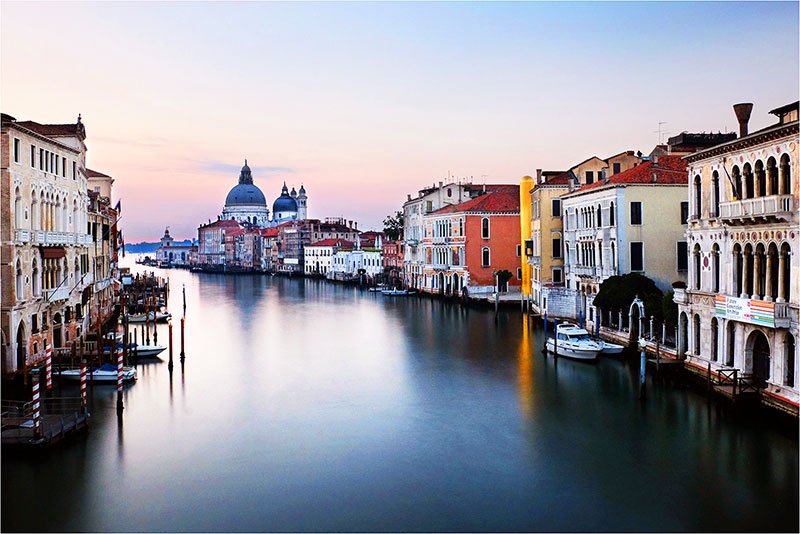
<point>246,203</point>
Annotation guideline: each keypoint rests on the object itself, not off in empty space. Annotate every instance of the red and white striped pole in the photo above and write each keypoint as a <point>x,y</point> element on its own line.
<point>120,372</point>
<point>48,353</point>
<point>37,414</point>
<point>83,383</point>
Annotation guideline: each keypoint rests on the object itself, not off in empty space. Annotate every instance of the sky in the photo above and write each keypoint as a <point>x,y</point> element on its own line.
<point>364,103</point>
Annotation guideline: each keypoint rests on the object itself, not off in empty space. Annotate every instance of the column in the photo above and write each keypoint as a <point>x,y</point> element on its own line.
<point>756,275</point>
<point>768,284</point>
<point>781,281</point>
<point>745,274</point>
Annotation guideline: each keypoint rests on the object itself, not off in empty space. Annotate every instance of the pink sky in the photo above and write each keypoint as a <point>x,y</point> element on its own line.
<point>365,103</point>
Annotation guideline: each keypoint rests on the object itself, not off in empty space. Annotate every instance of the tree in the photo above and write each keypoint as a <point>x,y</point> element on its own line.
<point>393,226</point>
<point>618,292</point>
<point>669,309</point>
<point>503,277</point>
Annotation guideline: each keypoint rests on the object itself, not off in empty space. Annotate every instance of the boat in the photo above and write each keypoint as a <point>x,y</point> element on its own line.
<point>160,317</point>
<point>105,374</point>
<point>394,292</point>
<point>140,351</point>
<point>574,342</point>
<point>610,348</point>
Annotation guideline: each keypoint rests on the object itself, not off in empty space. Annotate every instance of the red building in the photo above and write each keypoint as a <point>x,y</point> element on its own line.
<point>466,244</point>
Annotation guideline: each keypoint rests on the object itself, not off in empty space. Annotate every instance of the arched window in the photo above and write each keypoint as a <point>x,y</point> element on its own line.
<point>789,349</point>
<point>486,257</point>
<point>715,268</point>
<point>696,266</point>
<point>749,181</point>
<point>34,212</point>
<point>783,263</point>
<point>715,194</point>
<point>611,215</point>
<point>786,175</point>
<point>761,179</point>
<point>485,228</point>
<point>714,339</point>
<point>37,281</point>
<point>696,332</point>
<point>738,266</point>
<point>731,343</point>
<point>698,197</point>
<point>18,218</point>
<point>613,255</point>
<point>772,176</point>
<point>747,275</point>
<point>20,282</point>
<point>599,216</point>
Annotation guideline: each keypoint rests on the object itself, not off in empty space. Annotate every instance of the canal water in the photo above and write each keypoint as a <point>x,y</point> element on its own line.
<point>308,406</point>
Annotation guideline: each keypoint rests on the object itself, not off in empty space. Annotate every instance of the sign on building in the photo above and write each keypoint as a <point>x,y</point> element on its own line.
<point>746,310</point>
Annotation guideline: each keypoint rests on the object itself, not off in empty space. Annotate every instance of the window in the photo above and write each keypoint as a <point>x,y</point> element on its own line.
<point>683,256</point>
<point>684,212</point>
<point>74,170</point>
<point>485,228</point>
<point>41,159</point>
<point>519,273</point>
<point>698,197</point>
<point>611,215</point>
<point>486,259</point>
<point>33,156</point>
<point>16,150</point>
<point>636,213</point>
<point>556,247</point>
<point>556,207</point>
<point>428,203</point>
<point>449,191</point>
<point>519,250</point>
<point>715,194</point>
<point>557,275</point>
<point>637,256</point>
<point>589,177</point>
<point>64,167</point>
<point>56,162</point>
<point>617,168</point>
<point>599,213</point>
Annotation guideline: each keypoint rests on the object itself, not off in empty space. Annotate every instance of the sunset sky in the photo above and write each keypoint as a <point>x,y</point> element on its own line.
<point>367,102</point>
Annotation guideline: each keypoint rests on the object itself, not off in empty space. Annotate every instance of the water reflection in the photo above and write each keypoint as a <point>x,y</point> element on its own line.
<point>304,405</point>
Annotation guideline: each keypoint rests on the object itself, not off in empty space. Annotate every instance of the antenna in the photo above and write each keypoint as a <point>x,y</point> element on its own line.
<point>660,133</point>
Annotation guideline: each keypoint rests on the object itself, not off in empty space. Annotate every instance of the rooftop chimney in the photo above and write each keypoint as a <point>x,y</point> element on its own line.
<point>743,116</point>
<point>538,176</point>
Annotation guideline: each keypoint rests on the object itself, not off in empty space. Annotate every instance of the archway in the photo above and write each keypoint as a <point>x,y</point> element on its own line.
<point>683,334</point>
<point>758,350</point>
<point>22,350</point>
<point>441,283</point>
<point>635,317</point>
<point>57,331</point>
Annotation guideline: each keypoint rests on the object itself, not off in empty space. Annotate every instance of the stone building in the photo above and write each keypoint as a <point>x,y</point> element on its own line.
<point>58,240</point>
<point>740,309</point>
<point>169,254</point>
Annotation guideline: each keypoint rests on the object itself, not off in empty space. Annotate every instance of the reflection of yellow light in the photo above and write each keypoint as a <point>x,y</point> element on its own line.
<point>524,379</point>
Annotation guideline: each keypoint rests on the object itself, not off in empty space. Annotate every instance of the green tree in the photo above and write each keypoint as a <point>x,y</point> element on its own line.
<point>393,226</point>
<point>669,309</point>
<point>618,292</point>
<point>502,278</point>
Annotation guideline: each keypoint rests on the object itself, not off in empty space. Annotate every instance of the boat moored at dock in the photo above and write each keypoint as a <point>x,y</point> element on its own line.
<point>574,342</point>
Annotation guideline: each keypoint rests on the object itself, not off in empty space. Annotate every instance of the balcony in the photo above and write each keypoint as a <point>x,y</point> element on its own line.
<point>586,233</point>
<point>57,239</point>
<point>22,236</point>
<point>535,260</point>
<point>53,295</point>
<point>680,296</point>
<point>102,284</point>
<point>584,271</point>
<point>783,317</point>
<point>774,207</point>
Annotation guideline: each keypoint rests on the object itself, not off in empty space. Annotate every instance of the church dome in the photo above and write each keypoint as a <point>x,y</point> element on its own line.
<point>284,202</point>
<point>245,193</point>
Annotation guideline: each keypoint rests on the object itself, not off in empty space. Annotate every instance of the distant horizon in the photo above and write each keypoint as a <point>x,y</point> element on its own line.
<point>365,103</point>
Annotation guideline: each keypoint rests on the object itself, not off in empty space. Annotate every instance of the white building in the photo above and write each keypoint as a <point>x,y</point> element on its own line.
<point>740,310</point>
<point>170,254</point>
<point>318,256</point>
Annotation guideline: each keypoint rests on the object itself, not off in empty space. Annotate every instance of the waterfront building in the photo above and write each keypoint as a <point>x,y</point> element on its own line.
<point>246,203</point>
<point>628,222</point>
<point>318,256</point>
<point>334,228</point>
<point>58,240</point>
<point>392,257</point>
<point>211,243</point>
<point>293,235</point>
<point>740,309</point>
<point>170,254</point>
<point>347,261</point>
<point>269,249</point>
<point>243,249</point>
<point>465,244</point>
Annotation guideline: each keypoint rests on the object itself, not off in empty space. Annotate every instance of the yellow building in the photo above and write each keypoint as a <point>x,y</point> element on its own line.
<point>546,251</point>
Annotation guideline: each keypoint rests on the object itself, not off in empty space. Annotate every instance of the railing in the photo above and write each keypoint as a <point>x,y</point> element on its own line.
<point>102,284</point>
<point>22,236</point>
<point>586,233</point>
<point>780,206</point>
<point>43,237</point>
<point>680,296</point>
<point>60,293</point>
<point>584,271</point>
<point>782,317</point>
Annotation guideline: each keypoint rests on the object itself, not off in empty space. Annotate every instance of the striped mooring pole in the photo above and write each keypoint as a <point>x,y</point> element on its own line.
<point>37,414</point>
<point>83,384</point>
<point>48,354</point>
<point>120,372</point>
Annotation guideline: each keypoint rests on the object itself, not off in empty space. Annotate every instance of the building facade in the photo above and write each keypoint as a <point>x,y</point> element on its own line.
<point>740,307</point>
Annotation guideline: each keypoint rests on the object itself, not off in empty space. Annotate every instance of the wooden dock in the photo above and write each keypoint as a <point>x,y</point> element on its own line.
<point>60,418</point>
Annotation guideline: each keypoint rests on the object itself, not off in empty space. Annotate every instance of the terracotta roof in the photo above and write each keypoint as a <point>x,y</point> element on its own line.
<point>95,174</point>
<point>670,169</point>
<point>269,232</point>
<point>235,231</point>
<point>492,202</point>
<point>507,188</point>
<point>559,179</point>
<point>333,243</point>
<point>223,223</point>
<point>50,129</point>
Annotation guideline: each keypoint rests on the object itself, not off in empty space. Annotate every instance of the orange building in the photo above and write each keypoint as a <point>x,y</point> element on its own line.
<point>466,244</point>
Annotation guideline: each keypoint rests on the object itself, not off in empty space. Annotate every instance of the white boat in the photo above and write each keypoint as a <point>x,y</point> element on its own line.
<point>160,317</point>
<point>147,351</point>
<point>394,292</point>
<point>105,374</point>
<point>610,348</point>
<point>574,342</point>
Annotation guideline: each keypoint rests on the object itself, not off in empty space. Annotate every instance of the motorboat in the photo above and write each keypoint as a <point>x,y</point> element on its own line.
<point>160,317</point>
<point>610,349</point>
<point>147,351</point>
<point>574,342</point>
<point>105,374</point>
<point>394,292</point>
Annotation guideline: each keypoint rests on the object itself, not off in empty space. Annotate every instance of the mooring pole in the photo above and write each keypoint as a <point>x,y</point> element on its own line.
<point>169,324</point>
<point>120,372</point>
<point>83,384</point>
<point>642,370</point>
<point>545,332</point>
<point>184,299</point>
<point>183,328</point>
<point>48,352</point>
<point>37,414</point>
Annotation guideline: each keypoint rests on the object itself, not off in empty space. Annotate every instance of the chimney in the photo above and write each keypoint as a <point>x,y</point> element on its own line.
<point>356,224</point>
<point>441,184</point>
<point>655,177</point>
<point>743,116</point>
<point>655,159</point>
<point>409,197</point>
<point>538,176</point>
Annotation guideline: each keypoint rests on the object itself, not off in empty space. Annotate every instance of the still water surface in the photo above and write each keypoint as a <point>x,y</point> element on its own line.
<point>310,406</point>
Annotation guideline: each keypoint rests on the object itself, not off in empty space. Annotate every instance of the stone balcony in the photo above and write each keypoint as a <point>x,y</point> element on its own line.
<point>47,238</point>
<point>774,207</point>
<point>582,270</point>
<point>680,296</point>
<point>783,315</point>
<point>60,293</point>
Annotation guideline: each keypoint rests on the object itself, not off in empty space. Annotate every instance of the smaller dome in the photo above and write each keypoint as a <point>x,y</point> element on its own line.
<point>302,190</point>
<point>284,203</point>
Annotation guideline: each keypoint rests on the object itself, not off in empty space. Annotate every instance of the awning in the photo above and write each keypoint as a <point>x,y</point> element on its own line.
<point>53,252</point>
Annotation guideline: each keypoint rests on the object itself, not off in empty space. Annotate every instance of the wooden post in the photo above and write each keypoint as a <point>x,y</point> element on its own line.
<point>545,332</point>
<point>708,377</point>
<point>184,299</point>
<point>48,353</point>
<point>120,372</point>
<point>170,345</point>
<point>735,381</point>
<point>183,327</point>
<point>135,342</point>
<point>37,414</point>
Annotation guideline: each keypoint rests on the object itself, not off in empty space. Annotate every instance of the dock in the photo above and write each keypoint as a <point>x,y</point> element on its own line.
<point>60,418</point>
